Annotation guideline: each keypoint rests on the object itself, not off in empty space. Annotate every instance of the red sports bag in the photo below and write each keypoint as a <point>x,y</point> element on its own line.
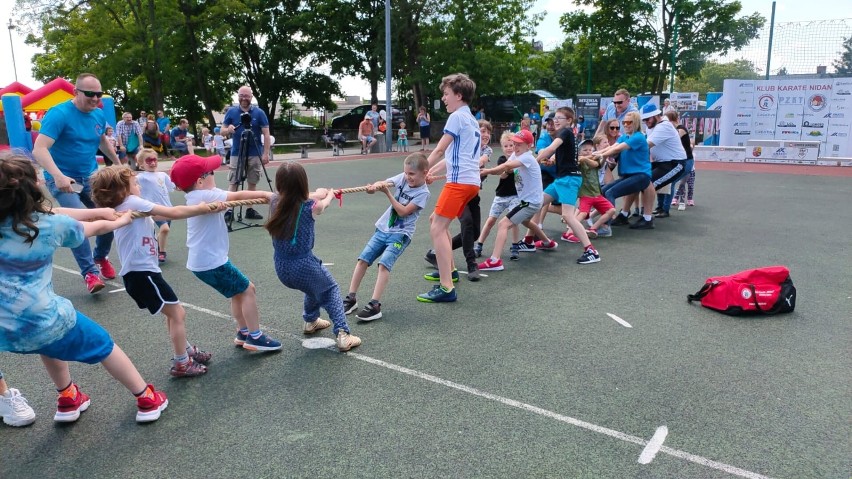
<point>767,290</point>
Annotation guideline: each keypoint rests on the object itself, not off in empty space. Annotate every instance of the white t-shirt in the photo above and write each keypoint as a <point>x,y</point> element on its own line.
<point>666,140</point>
<point>463,153</point>
<point>137,242</point>
<point>405,195</point>
<point>528,179</point>
<point>155,187</point>
<point>206,235</point>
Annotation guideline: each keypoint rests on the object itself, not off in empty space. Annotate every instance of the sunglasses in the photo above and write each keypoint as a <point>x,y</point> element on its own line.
<point>615,128</point>
<point>627,122</point>
<point>205,175</point>
<point>619,102</point>
<point>91,94</point>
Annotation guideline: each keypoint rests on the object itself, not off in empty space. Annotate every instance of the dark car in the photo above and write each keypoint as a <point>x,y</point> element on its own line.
<point>351,119</point>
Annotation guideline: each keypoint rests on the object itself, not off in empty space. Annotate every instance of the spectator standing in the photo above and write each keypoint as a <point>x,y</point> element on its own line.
<point>425,121</point>
<point>128,137</point>
<point>71,133</point>
<point>258,150</point>
<point>619,107</point>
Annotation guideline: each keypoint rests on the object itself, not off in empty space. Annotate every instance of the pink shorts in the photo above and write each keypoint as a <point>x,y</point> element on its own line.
<point>600,203</point>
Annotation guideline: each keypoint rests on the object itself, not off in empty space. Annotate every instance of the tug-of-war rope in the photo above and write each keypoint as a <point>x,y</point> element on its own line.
<point>262,201</point>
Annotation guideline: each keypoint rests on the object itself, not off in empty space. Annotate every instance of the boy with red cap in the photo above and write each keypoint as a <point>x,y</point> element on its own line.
<point>528,185</point>
<point>207,240</point>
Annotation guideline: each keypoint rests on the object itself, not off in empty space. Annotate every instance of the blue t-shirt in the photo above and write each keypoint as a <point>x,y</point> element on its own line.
<point>31,314</point>
<point>177,133</point>
<point>76,136</point>
<point>544,140</point>
<point>637,158</point>
<point>163,123</point>
<point>258,122</point>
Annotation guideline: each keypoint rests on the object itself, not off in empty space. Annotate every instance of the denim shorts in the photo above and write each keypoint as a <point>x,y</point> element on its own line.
<point>161,223</point>
<point>87,342</point>
<point>226,279</point>
<point>386,247</point>
<point>565,189</point>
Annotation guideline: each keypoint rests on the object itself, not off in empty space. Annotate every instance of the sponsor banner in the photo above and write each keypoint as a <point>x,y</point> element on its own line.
<point>826,162</point>
<point>766,107</point>
<point>684,101</point>
<point>727,154</point>
<point>768,151</point>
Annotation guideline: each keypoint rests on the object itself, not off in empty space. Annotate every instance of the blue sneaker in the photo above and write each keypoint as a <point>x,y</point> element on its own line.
<point>263,343</point>
<point>434,276</point>
<point>437,295</point>
<point>604,232</point>
<point>240,339</point>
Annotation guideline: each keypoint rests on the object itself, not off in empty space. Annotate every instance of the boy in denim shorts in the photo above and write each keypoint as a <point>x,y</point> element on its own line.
<point>207,240</point>
<point>393,232</point>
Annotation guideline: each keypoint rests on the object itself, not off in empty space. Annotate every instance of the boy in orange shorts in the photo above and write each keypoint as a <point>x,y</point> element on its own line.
<point>461,143</point>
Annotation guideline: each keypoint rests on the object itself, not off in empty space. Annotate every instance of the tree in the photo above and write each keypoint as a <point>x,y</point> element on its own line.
<point>641,32</point>
<point>713,75</point>
<point>843,65</point>
<point>278,45</point>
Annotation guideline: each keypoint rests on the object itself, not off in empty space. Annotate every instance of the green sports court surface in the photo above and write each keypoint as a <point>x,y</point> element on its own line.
<point>546,369</point>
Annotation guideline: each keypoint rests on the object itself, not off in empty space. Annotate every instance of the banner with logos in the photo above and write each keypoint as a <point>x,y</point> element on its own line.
<point>789,110</point>
<point>684,101</point>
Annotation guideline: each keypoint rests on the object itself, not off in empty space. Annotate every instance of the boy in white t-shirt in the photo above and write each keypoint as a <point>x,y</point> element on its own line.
<point>461,142</point>
<point>528,185</point>
<point>155,187</point>
<point>394,230</point>
<point>116,187</point>
<point>207,240</point>
<point>219,144</point>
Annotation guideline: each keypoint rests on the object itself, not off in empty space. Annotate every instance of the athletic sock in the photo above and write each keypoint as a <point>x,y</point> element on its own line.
<point>68,390</point>
<point>244,331</point>
<point>255,334</point>
<point>143,392</point>
<point>647,217</point>
<point>182,359</point>
<point>444,289</point>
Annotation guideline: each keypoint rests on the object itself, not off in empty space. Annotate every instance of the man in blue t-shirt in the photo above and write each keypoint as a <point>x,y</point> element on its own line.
<point>178,137</point>
<point>70,136</point>
<point>257,154</point>
<point>619,107</point>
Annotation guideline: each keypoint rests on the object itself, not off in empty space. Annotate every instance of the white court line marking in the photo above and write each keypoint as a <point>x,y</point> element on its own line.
<point>481,274</point>
<point>654,445</point>
<point>328,264</point>
<point>733,470</point>
<point>118,290</point>
<point>619,320</point>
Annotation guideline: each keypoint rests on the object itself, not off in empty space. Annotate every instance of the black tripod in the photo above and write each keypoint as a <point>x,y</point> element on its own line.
<point>246,138</point>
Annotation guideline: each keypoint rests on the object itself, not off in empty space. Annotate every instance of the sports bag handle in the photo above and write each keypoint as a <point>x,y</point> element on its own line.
<point>754,297</point>
<point>702,292</point>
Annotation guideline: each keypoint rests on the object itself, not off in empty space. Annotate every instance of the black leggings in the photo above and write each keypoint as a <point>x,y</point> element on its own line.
<point>471,220</point>
<point>665,172</point>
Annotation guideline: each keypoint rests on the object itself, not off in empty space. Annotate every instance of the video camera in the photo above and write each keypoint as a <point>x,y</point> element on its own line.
<point>245,119</point>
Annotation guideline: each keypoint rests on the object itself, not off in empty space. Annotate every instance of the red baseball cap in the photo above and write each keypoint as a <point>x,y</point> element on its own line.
<point>523,136</point>
<point>189,168</point>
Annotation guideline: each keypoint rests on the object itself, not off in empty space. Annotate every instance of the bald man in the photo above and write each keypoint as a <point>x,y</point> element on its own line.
<point>258,150</point>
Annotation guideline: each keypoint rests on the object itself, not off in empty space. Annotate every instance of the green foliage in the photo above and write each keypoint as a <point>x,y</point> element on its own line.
<point>843,65</point>
<point>713,75</point>
<point>633,39</point>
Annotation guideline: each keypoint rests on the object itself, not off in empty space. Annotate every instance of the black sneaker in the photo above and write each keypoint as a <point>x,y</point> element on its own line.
<point>620,220</point>
<point>431,258</point>
<point>251,214</point>
<point>229,215</point>
<point>589,256</point>
<point>477,249</point>
<point>473,273</point>
<point>373,310</point>
<point>662,214</point>
<point>349,304</point>
<point>514,249</point>
<point>642,224</point>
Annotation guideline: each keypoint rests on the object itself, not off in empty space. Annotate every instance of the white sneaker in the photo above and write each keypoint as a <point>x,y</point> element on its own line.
<point>681,207</point>
<point>15,409</point>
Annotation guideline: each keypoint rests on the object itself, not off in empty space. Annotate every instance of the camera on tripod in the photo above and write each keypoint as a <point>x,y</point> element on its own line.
<point>245,120</point>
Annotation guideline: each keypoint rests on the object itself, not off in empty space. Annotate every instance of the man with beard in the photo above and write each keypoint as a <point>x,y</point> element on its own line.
<point>258,152</point>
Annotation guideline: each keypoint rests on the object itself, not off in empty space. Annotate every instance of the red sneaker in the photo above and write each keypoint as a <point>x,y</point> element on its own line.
<point>94,283</point>
<point>542,245</point>
<point>150,404</point>
<point>70,404</point>
<point>107,271</point>
<point>489,265</point>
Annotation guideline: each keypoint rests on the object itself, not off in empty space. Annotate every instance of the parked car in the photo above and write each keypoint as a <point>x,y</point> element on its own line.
<point>351,119</point>
<point>296,124</point>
